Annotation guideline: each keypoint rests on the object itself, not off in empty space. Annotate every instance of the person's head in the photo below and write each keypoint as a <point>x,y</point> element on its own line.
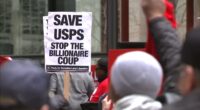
<point>135,73</point>
<point>190,55</point>
<point>23,86</point>
<point>102,69</point>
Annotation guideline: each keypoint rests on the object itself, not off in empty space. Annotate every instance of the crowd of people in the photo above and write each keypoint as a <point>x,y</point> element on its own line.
<point>136,80</point>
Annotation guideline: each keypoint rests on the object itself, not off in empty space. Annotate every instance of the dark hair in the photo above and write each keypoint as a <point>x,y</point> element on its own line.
<point>24,82</point>
<point>103,64</point>
<point>190,53</point>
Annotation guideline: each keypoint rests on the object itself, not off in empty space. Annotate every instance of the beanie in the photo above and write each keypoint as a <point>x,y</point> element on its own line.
<point>136,73</point>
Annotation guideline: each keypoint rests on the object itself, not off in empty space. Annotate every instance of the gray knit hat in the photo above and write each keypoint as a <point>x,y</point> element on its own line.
<point>136,73</point>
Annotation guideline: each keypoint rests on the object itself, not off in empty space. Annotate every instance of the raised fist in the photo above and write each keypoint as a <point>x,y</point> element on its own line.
<point>153,8</point>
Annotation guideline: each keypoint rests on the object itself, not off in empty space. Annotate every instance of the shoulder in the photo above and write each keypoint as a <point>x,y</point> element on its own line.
<point>104,82</point>
<point>190,102</point>
<point>104,85</point>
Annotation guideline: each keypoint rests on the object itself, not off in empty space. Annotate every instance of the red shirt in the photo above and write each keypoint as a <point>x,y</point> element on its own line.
<point>99,91</point>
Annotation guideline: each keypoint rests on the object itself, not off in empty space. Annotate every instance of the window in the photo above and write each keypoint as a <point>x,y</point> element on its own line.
<point>180,11</point>
<point>21,23</point>
<point>6,45</point>
<point>21,26</point>
<point>93,6</point>
<point>137,23</point>
<point>196,12</point>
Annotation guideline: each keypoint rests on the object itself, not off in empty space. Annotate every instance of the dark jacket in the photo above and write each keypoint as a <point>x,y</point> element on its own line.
<point>190,102</point>
<point>168,48</point>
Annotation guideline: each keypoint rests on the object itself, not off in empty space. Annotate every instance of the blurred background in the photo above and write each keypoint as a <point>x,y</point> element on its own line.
<point>116,24</point>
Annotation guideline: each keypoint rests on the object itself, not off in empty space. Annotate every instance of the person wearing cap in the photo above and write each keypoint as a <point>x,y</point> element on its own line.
<point>185,58</point>
<point>23,86</point>
<point>136,79</point>
<point>102,76</point>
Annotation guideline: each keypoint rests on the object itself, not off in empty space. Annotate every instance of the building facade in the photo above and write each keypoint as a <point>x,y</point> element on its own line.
<point>21,30</point>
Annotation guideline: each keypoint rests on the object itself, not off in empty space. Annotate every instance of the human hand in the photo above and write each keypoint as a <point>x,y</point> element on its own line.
<point>106,103</point>
<point>153,8</point>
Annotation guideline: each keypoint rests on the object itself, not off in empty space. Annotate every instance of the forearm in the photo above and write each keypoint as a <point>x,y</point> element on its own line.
<point>168,47</point>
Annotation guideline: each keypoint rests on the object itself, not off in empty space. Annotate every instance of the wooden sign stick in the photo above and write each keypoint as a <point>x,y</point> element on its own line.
<point>66,85</point>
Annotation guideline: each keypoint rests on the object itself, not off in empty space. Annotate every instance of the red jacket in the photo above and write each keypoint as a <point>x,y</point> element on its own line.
<point>99,91</point>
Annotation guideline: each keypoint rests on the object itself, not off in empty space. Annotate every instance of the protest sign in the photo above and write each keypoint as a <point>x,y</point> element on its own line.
<point>68,43</point>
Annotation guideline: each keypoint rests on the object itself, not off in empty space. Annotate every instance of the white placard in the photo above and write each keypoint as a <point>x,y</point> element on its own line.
<point>68,41</point>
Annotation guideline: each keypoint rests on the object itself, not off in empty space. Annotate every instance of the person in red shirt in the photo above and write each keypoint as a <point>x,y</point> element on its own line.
<point>101,74</point>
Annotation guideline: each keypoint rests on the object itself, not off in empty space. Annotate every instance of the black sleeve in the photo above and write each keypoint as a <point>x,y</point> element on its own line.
<point>168,47</point>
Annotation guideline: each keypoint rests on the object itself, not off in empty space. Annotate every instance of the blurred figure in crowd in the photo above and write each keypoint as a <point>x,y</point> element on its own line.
<point>102,69</point>
<point>101,74</point>
<point>4,59</point>
<point>23,86</point>
<point>136,79</point>
<point>168,45</point>
<point>77,85</point>
<point>189,83</point>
